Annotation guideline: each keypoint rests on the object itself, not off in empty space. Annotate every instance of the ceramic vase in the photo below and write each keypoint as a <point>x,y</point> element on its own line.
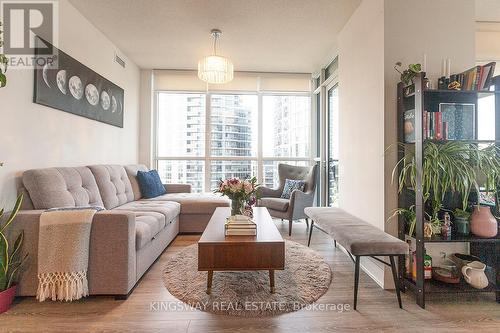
<point>483,223</point>
<point>474,274</point>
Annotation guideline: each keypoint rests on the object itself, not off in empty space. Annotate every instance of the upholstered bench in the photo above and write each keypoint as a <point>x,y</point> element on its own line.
<point>359,239</point>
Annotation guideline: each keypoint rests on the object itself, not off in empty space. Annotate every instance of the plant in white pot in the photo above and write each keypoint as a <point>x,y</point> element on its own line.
<point>10,258</point>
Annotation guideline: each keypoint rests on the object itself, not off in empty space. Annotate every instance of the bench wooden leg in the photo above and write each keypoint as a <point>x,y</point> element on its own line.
<point>310,233</point>
<point>290,227</point>
<point>356,281</point>
<point>396,280</point>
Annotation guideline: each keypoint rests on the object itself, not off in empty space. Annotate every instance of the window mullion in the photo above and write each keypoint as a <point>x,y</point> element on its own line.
<point>208,142</point>
<point>260,165</point>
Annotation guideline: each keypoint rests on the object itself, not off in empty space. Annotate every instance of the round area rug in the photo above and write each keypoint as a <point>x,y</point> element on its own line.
<point>306,278</point>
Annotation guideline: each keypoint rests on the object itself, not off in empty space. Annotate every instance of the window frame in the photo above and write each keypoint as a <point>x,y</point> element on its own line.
<point>208,158</point>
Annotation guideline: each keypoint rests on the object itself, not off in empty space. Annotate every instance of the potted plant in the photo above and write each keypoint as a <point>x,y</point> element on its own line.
<point>409,216</point>
<point>462,221</point>
<point>408,74</point>
<point>3,62</point>
<point>450,167</point>
<point>10,259</point>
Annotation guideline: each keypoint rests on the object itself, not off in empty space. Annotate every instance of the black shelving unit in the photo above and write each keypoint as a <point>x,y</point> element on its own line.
<point>488,249</point>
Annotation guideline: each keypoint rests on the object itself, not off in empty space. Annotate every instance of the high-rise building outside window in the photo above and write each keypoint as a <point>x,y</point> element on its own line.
<point>201,138</point>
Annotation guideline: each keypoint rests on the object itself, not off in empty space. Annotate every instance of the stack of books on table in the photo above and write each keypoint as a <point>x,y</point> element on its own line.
<point>240,225</point>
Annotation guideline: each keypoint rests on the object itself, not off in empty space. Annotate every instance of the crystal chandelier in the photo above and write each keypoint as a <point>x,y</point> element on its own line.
<point>214,68</point>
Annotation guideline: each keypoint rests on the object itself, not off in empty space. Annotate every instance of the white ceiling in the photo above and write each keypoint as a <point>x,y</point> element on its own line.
<point>258,35</point>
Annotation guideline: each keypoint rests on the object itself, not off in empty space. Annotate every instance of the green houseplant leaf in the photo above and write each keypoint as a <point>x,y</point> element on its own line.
<point>449,167</point>
<point>9,254</point>
<point>3,80</point>
<point>4,261</point>
<point>3,63</point>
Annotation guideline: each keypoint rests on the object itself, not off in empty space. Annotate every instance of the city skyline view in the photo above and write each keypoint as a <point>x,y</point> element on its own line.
<point>182,139</point>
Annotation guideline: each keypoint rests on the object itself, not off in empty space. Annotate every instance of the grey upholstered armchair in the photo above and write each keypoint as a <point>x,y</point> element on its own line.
<point>293,208</point>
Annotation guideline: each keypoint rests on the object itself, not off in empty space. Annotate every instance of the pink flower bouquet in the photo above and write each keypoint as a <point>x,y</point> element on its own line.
<point>242,193</point>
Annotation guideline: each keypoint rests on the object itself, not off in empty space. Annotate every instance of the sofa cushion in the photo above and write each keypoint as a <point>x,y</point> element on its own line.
<point>150,184</point>
<point>275,203</point>
<point>132,176</point>
<point>62,187</point>
<point>169,209</point>
<point>194,203</point>
<point>147,225</point>
<point>113,184</point>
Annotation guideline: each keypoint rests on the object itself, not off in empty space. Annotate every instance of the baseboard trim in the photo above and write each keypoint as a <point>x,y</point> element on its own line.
<point>370,267</point>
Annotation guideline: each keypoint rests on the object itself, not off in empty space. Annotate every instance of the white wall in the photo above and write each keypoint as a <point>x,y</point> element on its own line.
<point>407,38</point>
<point>378,34</point>
<point>361,119</point>
<point>146,132</point>
<point>35,136</point>
<point>488,43</point>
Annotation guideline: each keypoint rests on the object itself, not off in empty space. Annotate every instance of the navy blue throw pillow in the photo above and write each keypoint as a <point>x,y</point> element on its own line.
<point>150,184</point>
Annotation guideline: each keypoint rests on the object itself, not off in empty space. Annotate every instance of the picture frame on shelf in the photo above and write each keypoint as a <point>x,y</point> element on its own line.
<point>460,120</point>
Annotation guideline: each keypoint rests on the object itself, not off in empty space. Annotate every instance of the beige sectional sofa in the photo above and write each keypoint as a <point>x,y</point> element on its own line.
<point>127,237</point>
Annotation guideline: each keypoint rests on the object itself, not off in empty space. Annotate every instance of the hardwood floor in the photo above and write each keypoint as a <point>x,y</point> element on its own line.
<point>377,309</point>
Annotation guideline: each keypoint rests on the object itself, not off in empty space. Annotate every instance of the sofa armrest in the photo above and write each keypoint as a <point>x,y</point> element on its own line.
<point>112,257</point>
<point>266,192</point>
<point>299,201</point>
<point>178,188</point>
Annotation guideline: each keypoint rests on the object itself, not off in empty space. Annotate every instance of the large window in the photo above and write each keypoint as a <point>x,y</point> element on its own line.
<point>203,137</point>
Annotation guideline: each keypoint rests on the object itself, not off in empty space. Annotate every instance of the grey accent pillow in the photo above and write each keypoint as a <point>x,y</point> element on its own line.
<point>290,186</point>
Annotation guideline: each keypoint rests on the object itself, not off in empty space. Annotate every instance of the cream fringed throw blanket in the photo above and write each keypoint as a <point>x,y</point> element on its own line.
<point>63,253</point>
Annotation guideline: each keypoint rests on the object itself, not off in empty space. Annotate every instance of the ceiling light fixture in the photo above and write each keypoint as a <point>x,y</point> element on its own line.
<point>214,68</point>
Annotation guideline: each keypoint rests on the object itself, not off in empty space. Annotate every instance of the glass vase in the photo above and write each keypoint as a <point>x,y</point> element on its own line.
<point>237,207</point>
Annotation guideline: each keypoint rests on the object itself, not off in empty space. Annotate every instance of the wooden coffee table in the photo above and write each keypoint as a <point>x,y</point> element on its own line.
<point>216,252</point>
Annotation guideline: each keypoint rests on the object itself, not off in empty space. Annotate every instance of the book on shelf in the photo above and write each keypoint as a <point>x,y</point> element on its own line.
<point>454,121</point>
<point>409,125</point>
<point>477,78</point>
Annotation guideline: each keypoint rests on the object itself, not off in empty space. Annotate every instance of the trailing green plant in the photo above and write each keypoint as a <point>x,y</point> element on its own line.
<point>447,167</point>
<point>3,62</point>
<point>408,215</point>
<point>460,213</point>
<point>10,258</point>
<point>408,74</point>
<point>488,167</point>
<point>450,167</point>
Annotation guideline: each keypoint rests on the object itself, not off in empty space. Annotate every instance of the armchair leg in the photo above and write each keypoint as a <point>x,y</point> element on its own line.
<point>290,227</point>
<point>307,223</point>
<point>310,233</point>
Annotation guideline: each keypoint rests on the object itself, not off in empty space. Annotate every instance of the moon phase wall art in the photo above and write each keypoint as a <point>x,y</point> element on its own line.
<point>70,86</point>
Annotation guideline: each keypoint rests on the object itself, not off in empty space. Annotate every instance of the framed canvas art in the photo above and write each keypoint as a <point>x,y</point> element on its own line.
<point>70,86</point>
